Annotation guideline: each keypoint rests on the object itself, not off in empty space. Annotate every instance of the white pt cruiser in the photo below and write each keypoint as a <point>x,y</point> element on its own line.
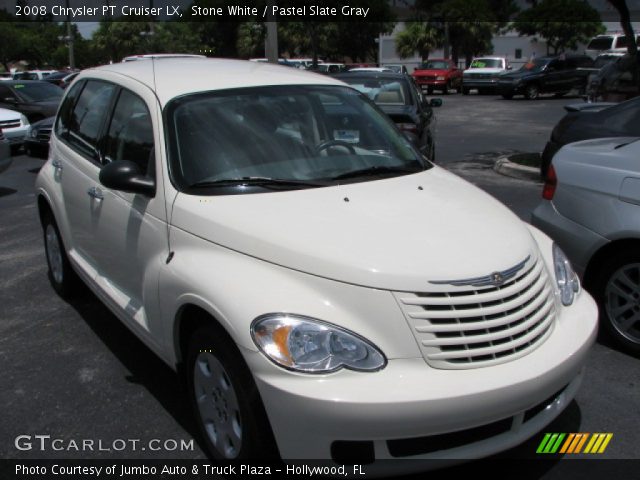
<point>327,292</point>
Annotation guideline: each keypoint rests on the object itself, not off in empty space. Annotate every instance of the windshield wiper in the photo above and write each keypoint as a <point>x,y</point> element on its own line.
<point>375,171</point>
<point>257,181</point>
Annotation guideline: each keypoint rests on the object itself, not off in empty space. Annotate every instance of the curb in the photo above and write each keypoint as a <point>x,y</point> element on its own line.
<point>506,167</point>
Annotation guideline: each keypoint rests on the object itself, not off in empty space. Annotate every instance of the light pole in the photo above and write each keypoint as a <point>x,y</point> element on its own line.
<point>69,39</point>
<point>271,40</point>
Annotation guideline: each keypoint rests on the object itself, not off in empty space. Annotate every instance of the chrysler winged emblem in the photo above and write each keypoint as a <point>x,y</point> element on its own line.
<point>494,279</point>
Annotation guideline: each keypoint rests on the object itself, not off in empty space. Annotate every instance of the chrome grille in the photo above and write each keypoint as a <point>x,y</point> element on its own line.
<point>469,328</point>
<point>480,75</point>
<point>9,123</point>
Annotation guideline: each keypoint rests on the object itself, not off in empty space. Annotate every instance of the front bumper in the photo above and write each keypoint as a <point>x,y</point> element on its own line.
<point>430,83</point>
<point>479,83</point>
<point>509,88</point>
<point>578,242</point>
<point>408,400</point>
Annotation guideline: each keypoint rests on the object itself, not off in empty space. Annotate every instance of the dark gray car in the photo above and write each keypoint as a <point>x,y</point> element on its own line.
<point>399,97</point>
<point>587,121</point>
<point>33,98</point>
<point>558,75</point>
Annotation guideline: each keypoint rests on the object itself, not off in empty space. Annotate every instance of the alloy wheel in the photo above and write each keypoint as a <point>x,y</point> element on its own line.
<point>622,301</point>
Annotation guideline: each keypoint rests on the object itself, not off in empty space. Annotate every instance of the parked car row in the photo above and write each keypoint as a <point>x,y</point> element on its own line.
<point>554,74</point>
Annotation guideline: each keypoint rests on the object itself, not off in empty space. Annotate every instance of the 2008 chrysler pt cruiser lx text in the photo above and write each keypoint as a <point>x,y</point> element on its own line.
<point>323,287</point>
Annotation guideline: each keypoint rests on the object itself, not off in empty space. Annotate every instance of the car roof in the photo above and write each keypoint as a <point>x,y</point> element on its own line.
<point>23,82</point>
<point>180,76</point>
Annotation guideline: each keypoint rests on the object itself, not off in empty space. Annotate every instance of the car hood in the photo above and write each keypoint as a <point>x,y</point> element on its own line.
<point>430,72</point>
<point>6,114</point>
<point>484,70</point>
<point>388,234</point>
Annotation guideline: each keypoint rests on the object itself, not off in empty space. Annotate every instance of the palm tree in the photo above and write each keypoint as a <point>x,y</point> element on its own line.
<point>418,37</point>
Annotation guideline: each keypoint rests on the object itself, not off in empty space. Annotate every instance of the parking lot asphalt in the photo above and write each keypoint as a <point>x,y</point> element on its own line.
<point>73,371</point>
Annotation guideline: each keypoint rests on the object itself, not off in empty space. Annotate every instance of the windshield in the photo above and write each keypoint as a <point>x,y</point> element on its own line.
<point>297,136</point>
<point>486,63</point>
<point>536,64</point>
<point>381,91</point>
<point>38,91</point>
<point>435,65</point>
<point>600,43</point>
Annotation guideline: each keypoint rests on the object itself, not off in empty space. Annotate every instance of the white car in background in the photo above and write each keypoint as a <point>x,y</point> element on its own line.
<point>591,207</point>
<point>15,127</point>
<point>483,74</point>
<point>326,291</point>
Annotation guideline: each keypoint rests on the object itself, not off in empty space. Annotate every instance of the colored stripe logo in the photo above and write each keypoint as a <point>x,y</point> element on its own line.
<point>574,443</point>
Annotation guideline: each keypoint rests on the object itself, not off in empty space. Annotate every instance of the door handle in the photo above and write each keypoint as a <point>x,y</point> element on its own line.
<point>56,163</point>
<point>95,192</point>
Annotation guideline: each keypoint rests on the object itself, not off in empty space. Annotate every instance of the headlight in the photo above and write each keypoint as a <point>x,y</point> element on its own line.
<point>440,78</point>
<point>24,120</point>
<point>309,345</point>
<point>566,278</point>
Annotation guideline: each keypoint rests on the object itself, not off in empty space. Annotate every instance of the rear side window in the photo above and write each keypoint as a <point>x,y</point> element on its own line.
<point>62,122</point>
<point>600,43</point>
<point>130,134</point>
<point>557,65</point>
<point>88,116</point>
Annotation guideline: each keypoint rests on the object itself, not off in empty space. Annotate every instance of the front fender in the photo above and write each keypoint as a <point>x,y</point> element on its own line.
<point>236,288</point>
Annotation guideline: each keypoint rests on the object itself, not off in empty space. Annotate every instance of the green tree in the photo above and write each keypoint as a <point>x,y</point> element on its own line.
<point>117,39</point>
<point>562,23</point>
<point>472,25</point>
<point>251,37</point>
<point>418,37</point>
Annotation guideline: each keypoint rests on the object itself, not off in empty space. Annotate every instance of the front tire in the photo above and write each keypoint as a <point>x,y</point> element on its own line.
<point>225,399</point>
<point>465,90</point>
<point>63,278</point>
<point>531,92</point>
<point>616,288</point>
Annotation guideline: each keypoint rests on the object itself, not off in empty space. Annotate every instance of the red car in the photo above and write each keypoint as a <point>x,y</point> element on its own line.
<point>438,74</point>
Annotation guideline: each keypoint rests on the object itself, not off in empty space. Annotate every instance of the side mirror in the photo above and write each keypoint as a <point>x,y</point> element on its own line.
<point>435,102</point>
<point>509,67</point>
<point>412,137</point>
<point>125,176</point>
